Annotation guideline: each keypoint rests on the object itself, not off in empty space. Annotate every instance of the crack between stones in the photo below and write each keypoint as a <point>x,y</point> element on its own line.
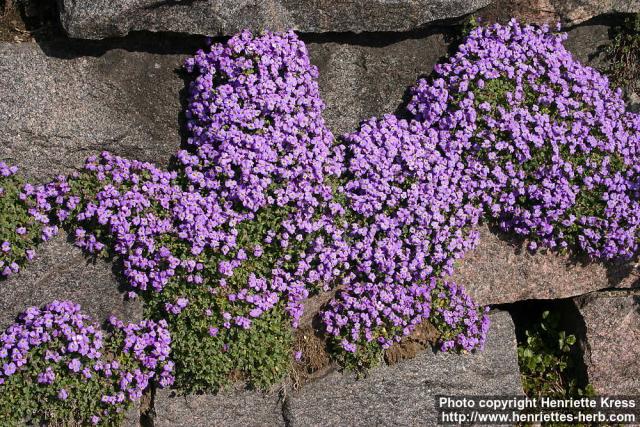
<point>285,413</point>
<point>147,414</point>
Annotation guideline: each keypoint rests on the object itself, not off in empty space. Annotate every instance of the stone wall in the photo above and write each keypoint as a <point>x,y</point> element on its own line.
<point>62,100</point>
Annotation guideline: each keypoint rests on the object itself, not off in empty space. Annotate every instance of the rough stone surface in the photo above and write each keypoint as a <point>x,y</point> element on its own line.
<point>62,272</point>
<point>612,341</point>
<point>501,271</point>
<point>577,11</point>
<point>239,408</point>
<point>588,44</point>
<point>567,12</point>
<point>56,111</point>
<point>633,102</point>
<point>132,417</point>
<point>403,394</point>
<point>98,19</point>
<point>369,75</point>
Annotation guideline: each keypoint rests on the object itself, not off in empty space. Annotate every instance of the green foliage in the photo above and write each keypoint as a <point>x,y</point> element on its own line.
<point>494,92</point>
<point>547,362</point>
<point>207,360</point>
<point>17,227</point>
<point>260,355</point>
<point>624,54</point>
<point>369,355</point>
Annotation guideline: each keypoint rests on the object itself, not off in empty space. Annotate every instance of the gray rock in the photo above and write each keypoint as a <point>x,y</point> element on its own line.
<point>612,341</point>
<point>98,19</point>
<point>499,271</point>
<point>236,408</point>
<point>404,394</point>
<point>132,417</point>
<point>358,81</point>
<point>633,102</point>
<point>588,44</point>
<point>568,12</point>
<point>56,111</point>
<point>61,272</point>
<point>574,12</point>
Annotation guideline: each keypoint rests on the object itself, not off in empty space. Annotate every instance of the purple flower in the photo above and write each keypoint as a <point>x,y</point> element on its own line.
<point>75,365</point>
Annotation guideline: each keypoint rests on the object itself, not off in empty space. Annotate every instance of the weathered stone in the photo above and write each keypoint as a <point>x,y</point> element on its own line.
<point>588,44</point>
<point>575,12</point>
<point>235,408</point>
<point>567,12</point>
<point>612,341</point>
<point>633,102</point>
<point>404,394</point>
<point>132,417</point>
<point>368,75</point>
<point>56,111</point>
<point>62,272</point>
<point>501,271</point>
<point>101,18</point>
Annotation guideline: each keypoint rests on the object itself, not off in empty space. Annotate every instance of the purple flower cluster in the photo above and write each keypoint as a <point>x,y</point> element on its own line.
<point>62,352</point>
<point>407,217</point>
<point>265,206</point>
<point>548,141</point>
<point>259,145</point>
<point>408,197</point>
<point>461,323</point>
<point>128,209</point>
<point>380,312</point>
<point>259,142</point>
<point>255,118</point>
<point>18,230</point>
<point>149,343</point>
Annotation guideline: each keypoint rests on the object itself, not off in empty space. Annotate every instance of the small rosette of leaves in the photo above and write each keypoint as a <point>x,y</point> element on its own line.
<point>57,366</point>
<point>546,355</point>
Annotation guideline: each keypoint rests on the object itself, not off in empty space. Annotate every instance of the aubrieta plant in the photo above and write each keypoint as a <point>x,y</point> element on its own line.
<point>404,206</point>
<point>137,213</point>
<point>19,231</point>
<point>57,366</point>
<point>227,246</point>
<point>549,143</point>
<point>264,207</point>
